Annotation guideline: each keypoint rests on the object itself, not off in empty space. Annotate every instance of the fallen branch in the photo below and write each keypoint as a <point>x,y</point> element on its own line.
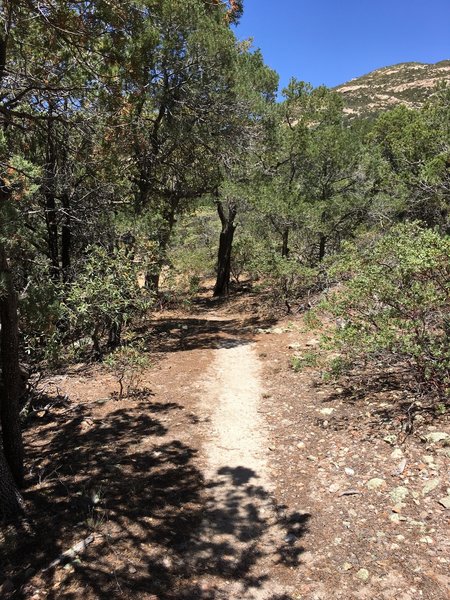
<point>71,553</point>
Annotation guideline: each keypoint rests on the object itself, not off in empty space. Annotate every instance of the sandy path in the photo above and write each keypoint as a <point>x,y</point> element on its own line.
<point>241,538</point>
<point>238,436</point>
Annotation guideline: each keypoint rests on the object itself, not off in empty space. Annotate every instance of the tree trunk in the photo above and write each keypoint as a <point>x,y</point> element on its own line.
<point>11,378</point>
<point>285,243</point>
<point>66,240</point>
<point>50,201</point>
<point>11,502</point>
<point>322,246</point>
<point>114,335</point>
<point>152,281</point>
<point>11,455</point>
<point>225,247</point>
<point>152,278</point>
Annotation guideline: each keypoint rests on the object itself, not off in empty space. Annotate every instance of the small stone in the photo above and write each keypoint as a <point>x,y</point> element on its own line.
<point>327,411</point>
<point>420,524</point>
<point>363,574</point>
<point>396,518</point>
<point>349,471</point>
<point>290,538</point>
<point>399,494</point>
<point>427,540</point>
<point>295,346</point>
<point>349,493</point>
<point>334,487</point>
<point>131,569</point>
<point>436,436</point>
<point>399,469</point>
<point>428,460</point>
<point>301,445</point>
<point>347,566</point>
<point>430,486</point>
<point>390,439</point>
<point>312,458</point>
<point>312,342</point>
<point>445,502</point>
<point>376,483</point>
<point>276,330</point>
<point>397,454</point>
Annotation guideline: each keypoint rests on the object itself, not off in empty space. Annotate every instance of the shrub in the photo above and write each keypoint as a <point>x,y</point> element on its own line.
<point>396,301</point>
<point>287,279</point>
<point>40,314</point>
<point>309,359</point>
<point>127,363</point>
<point>104,296</point>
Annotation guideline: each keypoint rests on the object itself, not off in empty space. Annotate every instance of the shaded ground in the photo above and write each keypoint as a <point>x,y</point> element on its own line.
<point>174,516</point>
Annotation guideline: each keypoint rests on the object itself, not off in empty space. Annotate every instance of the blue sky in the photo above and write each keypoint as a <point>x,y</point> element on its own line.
<point>329,42</point>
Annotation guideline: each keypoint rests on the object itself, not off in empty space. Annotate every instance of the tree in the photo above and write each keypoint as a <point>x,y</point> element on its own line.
<point>172,113</point>
<point>415,145</point>
<point>313,178</point>
<point>255,89</point>
<point>39,45</point>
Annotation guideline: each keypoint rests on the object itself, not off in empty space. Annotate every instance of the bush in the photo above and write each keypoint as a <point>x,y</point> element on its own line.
<point>127,364</point>
<point>396,302</point>
<point>308,359</point>
<point>104,297</point>
<point>40,313</point>
<point>288,280</point>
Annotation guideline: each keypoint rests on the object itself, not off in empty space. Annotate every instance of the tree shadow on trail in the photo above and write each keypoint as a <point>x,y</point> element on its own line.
<point>158,527</point>
<point>182,334</point>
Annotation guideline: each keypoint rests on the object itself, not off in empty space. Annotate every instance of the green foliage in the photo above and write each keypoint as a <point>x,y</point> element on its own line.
<point>127,364</point>
<point>287,279</point>
<point>336,368</point>
<point>41,313</point>
<point>396,301</point>
<point>105,296</point>
<point>308,359</point>
<point>245,254</point>
<point>415,145</point>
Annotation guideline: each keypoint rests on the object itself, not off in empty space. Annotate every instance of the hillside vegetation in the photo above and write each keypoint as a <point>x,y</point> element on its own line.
<point>408,84</point>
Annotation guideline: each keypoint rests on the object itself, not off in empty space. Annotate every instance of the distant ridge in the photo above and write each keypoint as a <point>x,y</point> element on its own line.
<point>406,83</point>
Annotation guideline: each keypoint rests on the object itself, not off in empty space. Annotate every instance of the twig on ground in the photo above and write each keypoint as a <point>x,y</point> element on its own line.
<point>71,553</point>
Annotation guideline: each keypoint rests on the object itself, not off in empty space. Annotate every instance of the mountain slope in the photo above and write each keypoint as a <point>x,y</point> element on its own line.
<point>406,83</point>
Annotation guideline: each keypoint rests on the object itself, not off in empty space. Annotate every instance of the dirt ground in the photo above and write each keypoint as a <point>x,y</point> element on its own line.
<point>231,476</point>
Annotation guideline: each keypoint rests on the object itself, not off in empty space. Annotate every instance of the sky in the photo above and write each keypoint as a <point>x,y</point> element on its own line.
<point>329,42</point>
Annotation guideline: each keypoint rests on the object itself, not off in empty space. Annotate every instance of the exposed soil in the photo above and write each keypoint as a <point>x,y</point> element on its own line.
<point>230,476</point>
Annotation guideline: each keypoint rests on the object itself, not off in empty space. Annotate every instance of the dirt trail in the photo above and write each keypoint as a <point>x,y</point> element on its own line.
<point>238,437</point>
<point>241,517</point>
<point>230,476</point>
